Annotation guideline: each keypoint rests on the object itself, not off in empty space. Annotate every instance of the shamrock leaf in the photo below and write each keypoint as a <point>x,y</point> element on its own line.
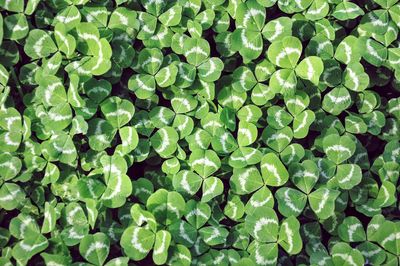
<point>196,51</point>
<point>263,225</point>
<point>187,182</point>
<point>161,245</point>
<point>31,245</point>
<point>289,236</point>
<point>95,248</point>
<point>291,202</point>
<point>247,133</point>
<point>322,202</point>
<point>304,175</point>
<point>39,44</point>
<point>351,230</point>
<point>118,183</point>
<point>273,171</point>
<point>246,180</point>
<point>343,254</point>
<point>285,53</point>
<point>212,187</point>
<point>348,50</point>
<point>205,163</point>
<point>117,111</point>
<point>338,149</point>
<point>166,206</point>
<point>337,100</point>
<point>310,69</point>
<point>348,175</point>
<point>137,242</point>
<point>355,78</point>
<point>347,11</point>
<point>164,141</point>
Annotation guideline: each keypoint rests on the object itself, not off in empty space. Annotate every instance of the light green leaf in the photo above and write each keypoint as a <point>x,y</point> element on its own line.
<point>285,53</point>
<point>322,202</point>
<point>39,44</point>
<point>95,248</point>
<point>310,68</point>
<point>273,171</point>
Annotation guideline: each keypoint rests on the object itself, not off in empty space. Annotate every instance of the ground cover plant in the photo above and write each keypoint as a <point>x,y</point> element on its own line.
<point>199,132</point>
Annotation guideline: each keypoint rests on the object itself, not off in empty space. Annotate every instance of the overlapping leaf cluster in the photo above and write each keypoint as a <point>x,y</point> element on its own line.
<point>199,132</point>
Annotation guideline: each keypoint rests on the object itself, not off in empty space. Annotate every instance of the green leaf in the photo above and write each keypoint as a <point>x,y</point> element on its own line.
<point>16,27</point>
<point>289,236</point>
<point>166,76</point>
<point>119,186</point>
<point>376,54</point>
<point>137,242</point>
<point>39,44</point>
<point>66,42</point>
<point>337,100</point>
<point>277,139</point>
<point>277,29</point>
<point>187,182</point>
<point>250,15</point>
<point>210,70</point>
<point>322,201</point>
<point>196,50</point>
<point>204,162</point>
<point>172,16</point>
<point>197,213</point>
<point>285,53</point>
<point>213,235</point>
<point>31,245</point>
<point>117,111</point>
<point>23,226</point>
<point>310,68</point>
<point>304,175</point>
<point>166,206</point>
<point>273,171</point>
<point>212,187</point>
<point>69,17</point>
<point>386,195</point>
<point>291,202</point>
<point>14,6</point>
<point>264,254</point>
<point>49,222</point>
<point>351,230</point>
<point>164,141</point>
<point>348,175</point>
<point>183,103</point>
<point>129,138</point>
<point>248,43</point>
<point>263,225</point>
<point>245,180</point>
<point>347,10</point>
<point>123,18</point>
<point>376,21</point>
<point>150,60</point>
<point>302,123</point>
<point>355,78</point>
<point>283,81</point>
<point>247,133</point>
<point>317,10</point>
<point>161,245</point>
<point>143,85</point>
<point>10,166</point>
<point>348,50</point>
<point>387,236</point>
<point>338,149</point>
<point>95,248</point>
<point>344,254</point>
